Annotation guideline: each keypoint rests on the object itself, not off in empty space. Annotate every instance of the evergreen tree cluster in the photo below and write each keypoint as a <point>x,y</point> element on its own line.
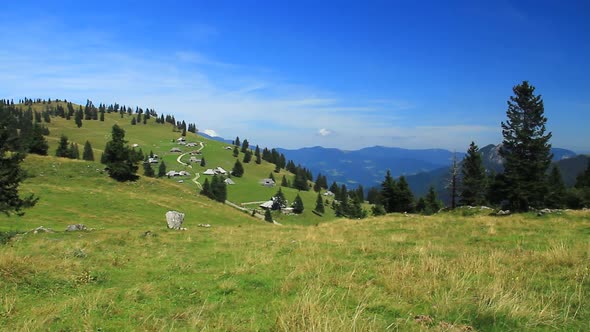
<point>26,129</point>
<point>396,196</point>
<point>346,203</point>
<point>11,156</point>
<point>55,108</point>
<point>216,189</point>
<point>528,180</point>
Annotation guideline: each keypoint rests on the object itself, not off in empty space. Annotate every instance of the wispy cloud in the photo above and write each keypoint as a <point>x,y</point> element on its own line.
<point>210,132</point>
<point>231,98</point>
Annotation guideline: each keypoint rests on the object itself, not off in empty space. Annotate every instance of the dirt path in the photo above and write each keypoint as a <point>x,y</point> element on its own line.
<point>249,211</point>
<point>250,203</point>
<point>197,176</point>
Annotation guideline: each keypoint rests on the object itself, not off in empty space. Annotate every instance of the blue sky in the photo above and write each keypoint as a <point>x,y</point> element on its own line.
<point>413,74</point>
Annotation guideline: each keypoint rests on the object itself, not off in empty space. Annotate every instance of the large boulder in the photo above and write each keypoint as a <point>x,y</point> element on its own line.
<point>174,219</point>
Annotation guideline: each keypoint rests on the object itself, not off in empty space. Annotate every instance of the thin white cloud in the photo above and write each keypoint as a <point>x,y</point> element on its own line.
<point>230,98</point>
<point>210,132</point>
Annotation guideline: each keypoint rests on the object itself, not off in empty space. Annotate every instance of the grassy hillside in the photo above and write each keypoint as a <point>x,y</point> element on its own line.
<point>160,138</point>
<point>447,273</point>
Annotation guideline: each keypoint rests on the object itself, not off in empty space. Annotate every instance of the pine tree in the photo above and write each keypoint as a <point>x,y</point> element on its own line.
<point>78,118</point>
<point>389,193</point>
<point>284,182</point>
<point>88,154</point>
<point>268,216</point>
<point>319,204</point>
<point>218,189</point>
<point>118,158</point>
<point>405,201</point>
<point>257,155</point>
<point>373,196</point>
<point>298,205</point>
<point>73,151</point>
<point>355,209</point>
<point>300,182</point>
<point>62,147</point>
<point>237,141</point>
<point>556,190</point>
<point>238,169</point>
<point>245,146</point>
<point>247,156</point>
<point>148,170</point>
<point>316,186</point>
<point>11,174</point>
<point>203,162</point>
<point>473,183</point>
<point>206,191</point>
<point>335,189</point>
<point>162,169</point>
<point>525,148</point>
<point>431,203</point>
<point>37,143</point>
<point>279,200</point>
<point>236,151</point>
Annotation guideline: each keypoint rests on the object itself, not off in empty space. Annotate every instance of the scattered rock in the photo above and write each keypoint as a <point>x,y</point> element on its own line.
<point>42,229</point>
<point>174,219</point>
<point>503,213</point>
<point>76,227</point>
<point>205,225</point>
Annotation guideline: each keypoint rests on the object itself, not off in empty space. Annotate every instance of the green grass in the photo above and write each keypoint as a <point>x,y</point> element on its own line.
<point>448,272</point>
<point>160,138</point>
<point>488,273</point>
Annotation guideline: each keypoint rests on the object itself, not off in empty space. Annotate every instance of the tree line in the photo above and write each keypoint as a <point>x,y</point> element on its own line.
<point>527,182</point>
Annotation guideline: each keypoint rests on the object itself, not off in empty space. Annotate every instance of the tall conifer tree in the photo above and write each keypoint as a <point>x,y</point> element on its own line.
<point>88,154</point>
<point>119,158</point>
<point>525,148</point>
<point>473,178</point>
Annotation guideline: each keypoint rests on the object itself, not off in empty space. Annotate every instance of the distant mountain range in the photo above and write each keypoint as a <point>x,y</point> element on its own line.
<point>422,168</point>
<point>368,166</point>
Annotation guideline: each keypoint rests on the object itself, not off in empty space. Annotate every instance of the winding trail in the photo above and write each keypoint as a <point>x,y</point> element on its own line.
<point>198,175</point>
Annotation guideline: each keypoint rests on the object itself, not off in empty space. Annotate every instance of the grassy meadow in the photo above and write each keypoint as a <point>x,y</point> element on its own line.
<point>446,272</point>
<point>455,271</point>
<point>160,138</point>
